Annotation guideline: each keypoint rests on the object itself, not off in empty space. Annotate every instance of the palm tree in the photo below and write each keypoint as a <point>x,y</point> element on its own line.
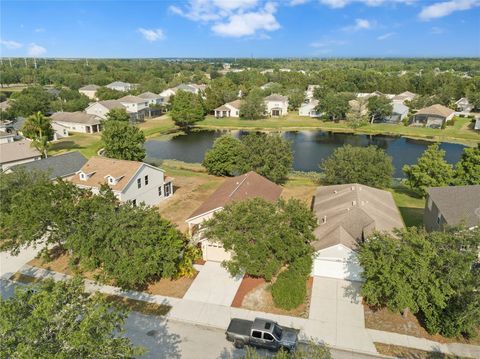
<point>38,128</point>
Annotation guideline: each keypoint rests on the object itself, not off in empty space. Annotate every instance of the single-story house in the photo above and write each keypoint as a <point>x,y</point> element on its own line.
<point>347,214</point>
<point>14,153</point>
<point>90,91</point>
<point>404,96</point>
<point>399,112</point>
<point>276,105</point>
<point>309,109</point>
<point>102,108</point>
<point>121,86</point>
<point>63,166</point>
<point>432,116</point>
<point>6,137</point>
<point>230,109</point>
<point>239,188</point>
<point>463,105</point>
<point>451,206</point>
<point>65,122</point>
<point>133,181</point>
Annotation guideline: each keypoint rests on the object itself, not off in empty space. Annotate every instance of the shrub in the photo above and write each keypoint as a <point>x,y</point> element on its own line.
<point>290,289</point>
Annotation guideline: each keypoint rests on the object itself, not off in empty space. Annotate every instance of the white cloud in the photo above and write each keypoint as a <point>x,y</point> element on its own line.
<point>360,24</point>
<point>338,4</point>
<point>9,44</point>
<point>327,43</point>
<point>40,29</point>
<point>446,8</point>
<point>152,34</point>
<point>231,18</point>
<point>385,36</point>
<point>35,50</point>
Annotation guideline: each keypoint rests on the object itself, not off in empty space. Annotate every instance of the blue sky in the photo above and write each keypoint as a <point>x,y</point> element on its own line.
<point>240,28</point>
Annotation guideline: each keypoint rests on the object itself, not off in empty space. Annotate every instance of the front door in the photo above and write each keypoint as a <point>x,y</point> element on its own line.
<point>276,112</point>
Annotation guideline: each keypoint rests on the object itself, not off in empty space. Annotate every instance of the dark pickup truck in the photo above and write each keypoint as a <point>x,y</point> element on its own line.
<point>261,333</point>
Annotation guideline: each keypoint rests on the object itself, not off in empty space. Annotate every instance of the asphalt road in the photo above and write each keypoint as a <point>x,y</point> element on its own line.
<point>175,340</point>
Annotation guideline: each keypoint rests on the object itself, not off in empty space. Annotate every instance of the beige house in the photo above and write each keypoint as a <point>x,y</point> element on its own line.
<point>15,153</point>
<point>276,105</point>
<point>346,215</point>
<point>130,181</point>
<point>404,96</point>
<point>90,91</point>
<point>240,188</point>
<point>230,109</point>
<point>135,106</point>
<point>6,137</point>
<point>434,116</point>
<point>65,122</point>
<point>121,86</point>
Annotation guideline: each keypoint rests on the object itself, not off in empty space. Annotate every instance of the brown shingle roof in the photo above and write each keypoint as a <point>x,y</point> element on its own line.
<point>276,97</point>
<point>437,110</point>
<point>457,204</point>
<point>101,167</point>
<point>76,117</point>
<point>236,104</point>
<point>248,185</point>
<point>90,88</point>
<point>16,151</point>
<point>111,104</point>
<point>351,212</point>
<point>132,99</point>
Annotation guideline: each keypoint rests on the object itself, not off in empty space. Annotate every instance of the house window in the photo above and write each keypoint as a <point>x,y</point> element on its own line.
<point>146,180</point>
<point>160,191</point>
<point>438,220</point>
<point>167,189</point>
<point>139,182</point>
<point>134,202</point>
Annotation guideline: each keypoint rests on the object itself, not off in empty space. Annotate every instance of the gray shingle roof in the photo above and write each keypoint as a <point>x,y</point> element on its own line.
<point>458,204</point>
<point>89,88</point>
<point>76,117</point>
<point>62,165</point>
<point>276,97</point>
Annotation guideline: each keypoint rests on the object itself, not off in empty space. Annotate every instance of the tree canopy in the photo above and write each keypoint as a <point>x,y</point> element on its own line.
<point>220,91</point>
<point>467,170</point>
<point>370,166</point>
<point>223,158</point>
<point>432,274</point>
<point>333,106</point>
<point>39,129</point>
<point>122,140</point>
<point>253,105</point>
<point>118,114</point>
<point>379,107</point>
<point>262,236</point>
<point>187,108</point>
<point>59,320</point>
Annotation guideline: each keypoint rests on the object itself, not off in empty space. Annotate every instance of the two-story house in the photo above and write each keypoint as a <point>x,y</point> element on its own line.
<point>276,105</point>
<point>133,181</point>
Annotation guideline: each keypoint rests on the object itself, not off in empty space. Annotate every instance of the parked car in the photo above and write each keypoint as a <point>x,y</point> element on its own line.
<point>261,333</point>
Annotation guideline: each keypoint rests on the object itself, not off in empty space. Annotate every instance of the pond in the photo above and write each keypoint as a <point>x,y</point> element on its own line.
<point>310,147</point>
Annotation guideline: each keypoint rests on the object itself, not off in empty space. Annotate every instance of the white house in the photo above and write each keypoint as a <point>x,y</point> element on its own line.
<point>17,152</point>
<point>90,91</point>
<point>404,96</point>
<point>136,107</point>
<point>276,105</point>
<point>234,189</point>
<point>463,105</point>
<point>346,215</point>
<point>151,98</point>
<point>310,91</point>
<point>66,122</point>
<point>134,104</point>
<point>133,181</point>
<point>101,108</point>
<point>309,109</point>
<point>121,86</point>
<point>230,109</point>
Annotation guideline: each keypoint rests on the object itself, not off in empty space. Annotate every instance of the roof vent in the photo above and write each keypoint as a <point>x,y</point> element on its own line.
<point>353,188</point>
<point>354,203</point>
<point>335,191</point>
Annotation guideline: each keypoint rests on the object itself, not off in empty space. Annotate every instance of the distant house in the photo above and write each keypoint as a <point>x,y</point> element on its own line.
<point>65,165</point>
<point>309,109</point>
<point>433,116</point>
<point>102,108</point>
<point>268,85</point>
<point>120,86</point>
<point>192,88</point>
<point>310,91</point>
<point>452,206</point>
<point>230,109</point>
<point>234,189</point>
<point>90,91</point>
<point>367,95</point>
<point>136,107</point>
<point>399,112</point>
<point>133,181</point>
<point>151,98</point>
<point>347,214</point>
<point>6,137</point>
<point>404,96</point>
<point>276,105</point>
<point>14,153</point>
<point>463,105</point>
<point>359,105</point>
<point>65,122</point>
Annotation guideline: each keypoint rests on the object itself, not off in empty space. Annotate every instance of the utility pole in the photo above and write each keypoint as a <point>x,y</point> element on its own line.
<point>10,61</point>
<point>25,59</point>
<point>35,62</point>
<point>86,62</point>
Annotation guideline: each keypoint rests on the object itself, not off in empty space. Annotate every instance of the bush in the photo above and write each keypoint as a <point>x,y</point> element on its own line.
<point>290,289</point>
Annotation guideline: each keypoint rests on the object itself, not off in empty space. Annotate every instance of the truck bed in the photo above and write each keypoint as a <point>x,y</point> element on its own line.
<point>240,327</point>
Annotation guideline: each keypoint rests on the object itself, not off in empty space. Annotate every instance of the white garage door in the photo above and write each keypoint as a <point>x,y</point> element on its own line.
<point>337,268</point>
<point>214,252</point>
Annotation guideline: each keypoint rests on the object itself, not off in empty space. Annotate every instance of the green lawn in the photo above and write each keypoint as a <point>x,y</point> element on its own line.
<point>460,132</point>
<point>157,126</point>
<point>410,204</point>
<point>87,144</point>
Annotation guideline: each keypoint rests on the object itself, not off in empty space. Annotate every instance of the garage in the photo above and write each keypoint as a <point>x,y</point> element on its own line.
<point>213,252</point>
<point>337,262</point>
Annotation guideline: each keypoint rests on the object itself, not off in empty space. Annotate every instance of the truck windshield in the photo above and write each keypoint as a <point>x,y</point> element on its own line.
<point>277,331</point>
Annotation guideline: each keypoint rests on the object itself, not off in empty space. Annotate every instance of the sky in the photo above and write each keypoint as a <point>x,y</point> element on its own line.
<point>240,28</point>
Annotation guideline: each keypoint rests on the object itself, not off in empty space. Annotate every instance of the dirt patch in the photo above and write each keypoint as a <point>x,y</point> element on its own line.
<point>248,284</point>
<point>386,320</point>
<point>24,278</point>
<point>190,192</point>
<point>138,305</point>
<point>260,299</point>
<point>409,353</point>
<point>171,287</point>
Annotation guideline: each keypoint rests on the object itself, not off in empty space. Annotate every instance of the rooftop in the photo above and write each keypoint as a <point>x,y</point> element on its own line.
<point>16,151</point>
<point>89,88</point>
<point>437,110</point>
<point>276,97</point>
<point>131,99</point>
<point>76,117</point>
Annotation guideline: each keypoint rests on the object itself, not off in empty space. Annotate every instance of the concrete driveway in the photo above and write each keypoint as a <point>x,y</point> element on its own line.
<point>10,264</point>
<point>337,304</point>
<point>214,285</point>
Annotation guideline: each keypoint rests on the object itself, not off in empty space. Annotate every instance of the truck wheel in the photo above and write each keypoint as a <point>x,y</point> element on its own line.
<point>239,344</point>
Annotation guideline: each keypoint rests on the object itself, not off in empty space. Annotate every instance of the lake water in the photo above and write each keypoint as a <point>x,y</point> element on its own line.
<point>309,147</point>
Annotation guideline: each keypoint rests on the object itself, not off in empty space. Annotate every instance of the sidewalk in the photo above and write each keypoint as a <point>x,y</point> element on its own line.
<point>219,316</point>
